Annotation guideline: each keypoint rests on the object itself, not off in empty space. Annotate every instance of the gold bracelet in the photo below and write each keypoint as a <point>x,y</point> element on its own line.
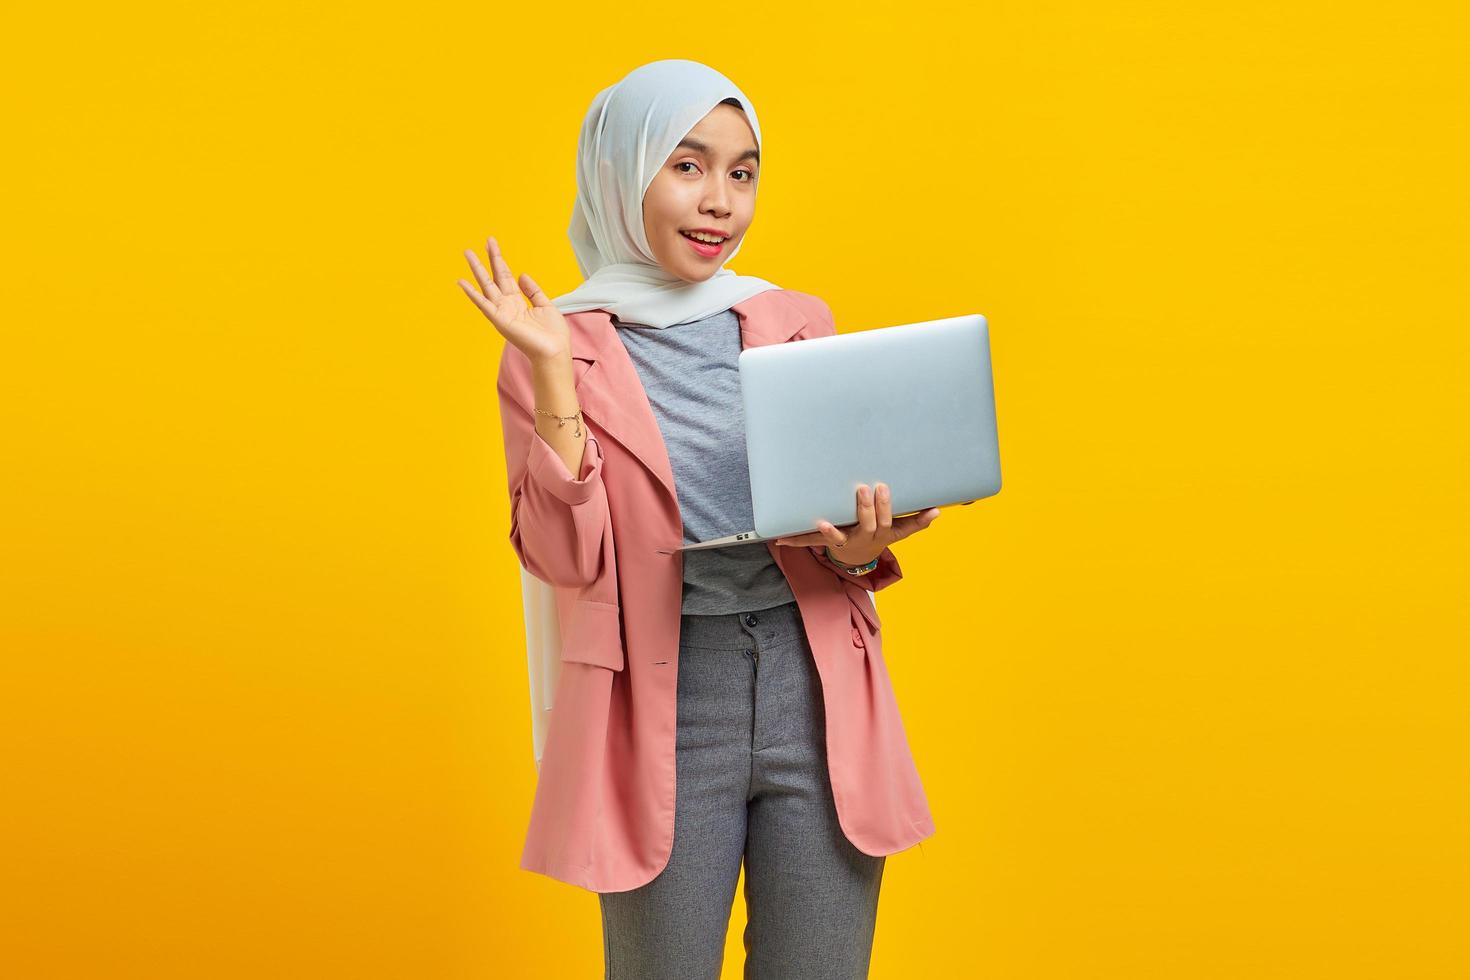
<point>561,420</point>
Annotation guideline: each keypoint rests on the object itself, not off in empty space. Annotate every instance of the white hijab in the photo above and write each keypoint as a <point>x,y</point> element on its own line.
<point>627,136</point>
<point>628,133</point>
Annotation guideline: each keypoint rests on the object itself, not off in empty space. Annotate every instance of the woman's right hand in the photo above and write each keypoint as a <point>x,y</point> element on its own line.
<point>538,331</point>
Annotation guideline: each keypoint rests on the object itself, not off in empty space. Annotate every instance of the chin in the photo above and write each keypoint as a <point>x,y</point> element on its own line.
<point>692,276</point>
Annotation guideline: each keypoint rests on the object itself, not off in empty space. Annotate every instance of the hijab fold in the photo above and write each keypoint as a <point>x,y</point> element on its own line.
<point>627,136</point>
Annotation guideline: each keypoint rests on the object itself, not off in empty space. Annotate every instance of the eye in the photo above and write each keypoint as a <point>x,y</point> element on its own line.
<point>749,175</point>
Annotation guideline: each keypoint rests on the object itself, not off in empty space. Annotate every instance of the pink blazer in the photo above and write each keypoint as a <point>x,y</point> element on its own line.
<point>603,814</point>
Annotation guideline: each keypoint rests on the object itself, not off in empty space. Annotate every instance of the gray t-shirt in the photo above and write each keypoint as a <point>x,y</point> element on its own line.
<point>691,374</point>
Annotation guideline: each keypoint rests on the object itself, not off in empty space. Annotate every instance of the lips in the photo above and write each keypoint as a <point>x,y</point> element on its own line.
<point>705,250</point>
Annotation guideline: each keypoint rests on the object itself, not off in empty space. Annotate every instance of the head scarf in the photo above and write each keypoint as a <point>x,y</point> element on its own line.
<point>627,136</point>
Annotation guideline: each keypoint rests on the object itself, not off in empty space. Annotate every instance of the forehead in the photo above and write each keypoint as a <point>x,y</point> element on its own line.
<point>724,131</point>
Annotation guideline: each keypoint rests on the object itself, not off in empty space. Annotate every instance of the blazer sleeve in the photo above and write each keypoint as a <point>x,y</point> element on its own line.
<point>557,518</point>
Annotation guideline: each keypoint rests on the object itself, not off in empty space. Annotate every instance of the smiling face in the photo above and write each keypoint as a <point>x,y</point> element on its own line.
<point>707,183</point>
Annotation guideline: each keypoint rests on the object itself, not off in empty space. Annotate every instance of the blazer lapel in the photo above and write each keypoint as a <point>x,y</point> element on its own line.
<point>610,391</point>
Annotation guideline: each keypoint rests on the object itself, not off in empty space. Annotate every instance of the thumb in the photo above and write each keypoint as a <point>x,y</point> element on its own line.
<point>924,518</point>
<point>533,292</point>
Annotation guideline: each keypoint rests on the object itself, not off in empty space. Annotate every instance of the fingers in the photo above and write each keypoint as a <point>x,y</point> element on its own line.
<point>487,288</point>
<point>826,533</point>
<point>866,517</point>
<point>831,534</point>
<point>498,283</point>
<point>475,297</point>
<point>802,540</point>
<point>504,281</point>
<point>884,501</point>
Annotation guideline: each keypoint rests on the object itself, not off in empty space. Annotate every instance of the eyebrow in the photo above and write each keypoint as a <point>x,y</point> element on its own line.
<point>699,146</point>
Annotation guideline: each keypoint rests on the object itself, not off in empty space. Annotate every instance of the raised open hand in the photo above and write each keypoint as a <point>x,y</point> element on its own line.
<point>539,331</point>
<point>860,543</point>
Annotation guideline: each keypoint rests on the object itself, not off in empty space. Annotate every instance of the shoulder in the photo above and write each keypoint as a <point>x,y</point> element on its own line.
<point>813,307</point>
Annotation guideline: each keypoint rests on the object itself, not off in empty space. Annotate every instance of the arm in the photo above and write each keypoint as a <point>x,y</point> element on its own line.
<point>557,517</point>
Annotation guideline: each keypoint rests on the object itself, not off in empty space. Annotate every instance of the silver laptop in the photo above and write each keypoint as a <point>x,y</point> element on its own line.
<point>912,406</point>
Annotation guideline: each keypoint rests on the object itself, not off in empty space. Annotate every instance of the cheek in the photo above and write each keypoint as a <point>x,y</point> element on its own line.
<point>660,234</point>
<point>662,199</point>
<point>656,222</point>
<point>658,219</point>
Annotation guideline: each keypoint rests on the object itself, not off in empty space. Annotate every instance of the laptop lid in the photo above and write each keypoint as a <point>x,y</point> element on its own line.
<point>912,406</point>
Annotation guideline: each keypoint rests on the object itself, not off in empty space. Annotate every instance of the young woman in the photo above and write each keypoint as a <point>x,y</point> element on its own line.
<point>718,706</point>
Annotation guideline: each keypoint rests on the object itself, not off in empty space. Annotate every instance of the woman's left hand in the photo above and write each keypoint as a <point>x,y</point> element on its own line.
<point>860,543</point>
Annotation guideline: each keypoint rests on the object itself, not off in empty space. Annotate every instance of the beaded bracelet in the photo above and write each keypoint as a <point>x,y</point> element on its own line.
<point>853,569</point>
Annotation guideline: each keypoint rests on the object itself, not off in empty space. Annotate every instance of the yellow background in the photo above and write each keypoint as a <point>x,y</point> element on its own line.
<point>1189,696</point>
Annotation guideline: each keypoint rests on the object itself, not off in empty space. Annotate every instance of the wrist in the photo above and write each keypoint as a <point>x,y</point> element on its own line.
<point>552,366</point>
<point>861,568</point>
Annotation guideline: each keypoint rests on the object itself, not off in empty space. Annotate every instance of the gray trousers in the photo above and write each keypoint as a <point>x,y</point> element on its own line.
<point>752,786</point>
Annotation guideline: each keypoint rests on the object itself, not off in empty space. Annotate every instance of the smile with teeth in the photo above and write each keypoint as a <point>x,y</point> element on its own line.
<point>700,236</point>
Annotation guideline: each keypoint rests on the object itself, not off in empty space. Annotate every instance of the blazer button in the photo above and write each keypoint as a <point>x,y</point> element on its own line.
<point>857,637</point>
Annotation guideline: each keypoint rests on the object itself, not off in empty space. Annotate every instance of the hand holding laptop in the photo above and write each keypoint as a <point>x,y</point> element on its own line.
<point>860,543</point>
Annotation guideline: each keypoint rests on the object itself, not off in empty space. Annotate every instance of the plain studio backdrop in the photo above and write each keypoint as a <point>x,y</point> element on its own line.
<point>1188,697</point>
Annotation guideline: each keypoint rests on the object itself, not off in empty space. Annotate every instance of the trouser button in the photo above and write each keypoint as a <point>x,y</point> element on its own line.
<point>750,619</point>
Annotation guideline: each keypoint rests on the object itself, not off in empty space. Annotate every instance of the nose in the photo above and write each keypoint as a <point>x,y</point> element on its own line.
<point>717,201</point>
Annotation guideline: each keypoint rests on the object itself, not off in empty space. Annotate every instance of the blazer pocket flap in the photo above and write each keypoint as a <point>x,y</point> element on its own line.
<point>595,635</point>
